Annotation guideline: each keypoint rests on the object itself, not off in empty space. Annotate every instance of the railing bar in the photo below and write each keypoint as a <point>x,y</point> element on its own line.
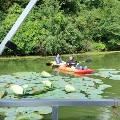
<point>54,112</point>
<point>60,102</point>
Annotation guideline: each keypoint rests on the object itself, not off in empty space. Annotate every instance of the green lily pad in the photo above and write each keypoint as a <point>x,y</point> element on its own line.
<point>95,91</point>
<point>76,95</point>
<point>36,91</point>
<point>10,112</point>
<point>104,69</point>
<point>32,116</point>
<point>2,92</point>
<point>105,86</point>
<point>10,118</point>
<point>94,96</point>
<point>115,77</point>
<point>45,110</point>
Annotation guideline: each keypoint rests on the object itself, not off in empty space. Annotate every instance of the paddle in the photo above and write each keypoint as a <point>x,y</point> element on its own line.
<point>48,64</point>
<point>57,66</point>
<point>88,60</point>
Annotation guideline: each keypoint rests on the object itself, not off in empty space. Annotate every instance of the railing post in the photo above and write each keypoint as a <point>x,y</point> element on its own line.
<point>54,112</point>
<point>17,24</point>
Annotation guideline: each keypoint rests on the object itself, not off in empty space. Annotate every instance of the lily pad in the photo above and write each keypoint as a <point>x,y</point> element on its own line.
<point>10,112</point>
<point>45,110</point>
<point>94,92</point>
<point>32,116</point>
<point>94,96</point>
<point>2,92</point>
<point>10,118</point>
<point>115,77</point>
<point>76,95</point>
<point>104,69</point>
<point>105,86</point>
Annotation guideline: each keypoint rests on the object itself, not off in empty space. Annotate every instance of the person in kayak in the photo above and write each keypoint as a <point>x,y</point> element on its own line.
<point>71,62</point>
<point>58,59</point>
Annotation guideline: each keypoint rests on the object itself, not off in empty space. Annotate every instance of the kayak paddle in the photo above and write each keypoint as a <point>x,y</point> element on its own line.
<point>88,60</point>
<point>48,64</point>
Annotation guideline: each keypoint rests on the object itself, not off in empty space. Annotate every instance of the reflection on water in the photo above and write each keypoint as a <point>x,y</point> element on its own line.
<point>108,61</point>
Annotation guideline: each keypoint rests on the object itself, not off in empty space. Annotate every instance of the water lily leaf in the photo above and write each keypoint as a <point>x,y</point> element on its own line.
<point>23,117</point>
<point>36,90</point>
<point>76,95</point>
<point>12,96</point>
<point>81,87</point>
<point>58,77</point>
<point>3,84</point>
<point>103,69</point>
<point>25,109</point>
<point>45,110</point>
<point>2,92</point>
<point>98,81</point>
<point>11,112</point>
<point>94,96</point>
<point>95,91</point>
<point>60,95</point>
<point>87,78</point>
<point>32,116</point>
<point>89,83</point>
<point>105,74</point>
<point>105,86</point>
<point>39,96</point>
<point>115,77</point>
<point>10,118</point>
<point>20,82</point>
<point>24,73</point>
<point>38,81</point>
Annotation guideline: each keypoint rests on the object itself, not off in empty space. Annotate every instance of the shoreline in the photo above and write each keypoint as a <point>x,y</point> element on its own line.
<point>44,57</point>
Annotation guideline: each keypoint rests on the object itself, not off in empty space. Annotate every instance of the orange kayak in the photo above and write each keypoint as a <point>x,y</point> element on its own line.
<point>68,69</point>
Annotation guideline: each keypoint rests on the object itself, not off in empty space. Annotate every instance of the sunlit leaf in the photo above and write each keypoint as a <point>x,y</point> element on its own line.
<point>45,74</point>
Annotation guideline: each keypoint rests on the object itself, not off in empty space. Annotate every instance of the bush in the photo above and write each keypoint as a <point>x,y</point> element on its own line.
<point>99,46</point>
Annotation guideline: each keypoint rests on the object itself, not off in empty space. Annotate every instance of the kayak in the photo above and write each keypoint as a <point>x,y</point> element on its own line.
<point>68,69</point>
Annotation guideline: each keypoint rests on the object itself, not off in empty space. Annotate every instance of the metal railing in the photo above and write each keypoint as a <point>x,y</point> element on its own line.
<point>55,103</point>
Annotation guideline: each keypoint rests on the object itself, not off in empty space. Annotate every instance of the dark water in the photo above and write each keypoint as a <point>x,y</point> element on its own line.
<point>107,61</point>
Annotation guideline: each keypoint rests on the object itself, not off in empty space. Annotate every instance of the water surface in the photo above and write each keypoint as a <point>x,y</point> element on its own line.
<point>103,61</point>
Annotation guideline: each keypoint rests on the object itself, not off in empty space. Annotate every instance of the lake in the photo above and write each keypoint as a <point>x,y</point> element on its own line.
<point>106,67</point>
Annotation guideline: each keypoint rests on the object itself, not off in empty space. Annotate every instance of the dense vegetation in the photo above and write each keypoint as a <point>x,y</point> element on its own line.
<point>64,26</point>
